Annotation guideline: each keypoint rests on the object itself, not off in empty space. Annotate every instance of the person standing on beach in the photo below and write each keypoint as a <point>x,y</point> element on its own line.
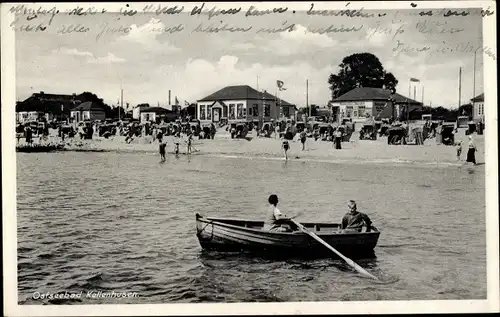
<point>29,135</point>
<point>471,154</point>
<point>338,139</point>
<point>286,147</point>
<point>162,147</point>
<point>189,143</point>
<point>303,138</point>
<point>159,136</point>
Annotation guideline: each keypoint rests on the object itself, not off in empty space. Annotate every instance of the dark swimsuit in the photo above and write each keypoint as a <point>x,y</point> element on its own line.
<point>285,145</point>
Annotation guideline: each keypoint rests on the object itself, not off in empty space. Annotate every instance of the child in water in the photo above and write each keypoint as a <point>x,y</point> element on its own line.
<point>189,142</point>
<point>459,150</point>
<point>177,140</point>
<point>162,147</point>
<point>286,147</point>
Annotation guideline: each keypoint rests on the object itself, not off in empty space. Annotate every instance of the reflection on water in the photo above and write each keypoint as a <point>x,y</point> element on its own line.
<point>125,222</point>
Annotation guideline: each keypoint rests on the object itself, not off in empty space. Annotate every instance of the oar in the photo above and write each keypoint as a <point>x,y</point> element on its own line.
<point>349,261</point>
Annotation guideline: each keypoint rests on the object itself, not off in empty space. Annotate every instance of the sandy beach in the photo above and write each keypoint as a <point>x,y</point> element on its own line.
<point>356,150</point>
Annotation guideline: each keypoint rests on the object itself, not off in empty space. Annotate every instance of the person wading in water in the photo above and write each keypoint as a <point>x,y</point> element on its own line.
<point>189,143</point>
<point>303,138</point>
<point>162,146</point>
<point>177,141</point>
<point>286,147</point>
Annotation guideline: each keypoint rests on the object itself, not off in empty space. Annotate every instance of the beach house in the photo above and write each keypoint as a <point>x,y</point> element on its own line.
<point>362,103</point>
<point>478,108</point>
<point>156,114</point>
<point>136,112</point>
<point>243,103</point>
<point>48,106</point>
<point>88,111</point>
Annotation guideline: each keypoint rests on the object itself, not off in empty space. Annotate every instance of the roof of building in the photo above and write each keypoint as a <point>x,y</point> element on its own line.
<point>241,92</point>
<point>155,110</point>
<point>478,98</point>
<point>369,93</point>
<point>54,97</point>
<point>88,105</point>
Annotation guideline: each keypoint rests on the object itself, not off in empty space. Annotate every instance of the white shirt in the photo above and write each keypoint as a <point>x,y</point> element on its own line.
<point>273,214</point>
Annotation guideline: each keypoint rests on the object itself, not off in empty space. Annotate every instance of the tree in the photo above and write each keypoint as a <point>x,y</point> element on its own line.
<point>360,70</point>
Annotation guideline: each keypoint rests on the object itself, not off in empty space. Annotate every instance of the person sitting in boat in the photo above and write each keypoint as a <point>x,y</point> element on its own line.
<point>355,220</point>
<point>275,220</point>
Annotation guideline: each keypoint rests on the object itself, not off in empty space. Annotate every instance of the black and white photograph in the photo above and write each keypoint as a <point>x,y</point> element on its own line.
<point>249,158</point>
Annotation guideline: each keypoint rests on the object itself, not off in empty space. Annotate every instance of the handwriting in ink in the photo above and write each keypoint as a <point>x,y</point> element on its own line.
<point>378,29</point>
<point>128,12</point>
<point>439,28</point>
<point>40,27</point>
<point>252,11</point>
<point>81,11</point>
<point>112,30</point>
<point>456,13</point>
<point>487,12</point>
<point>284,28</point>
<point>428,13</point>
<point>213,12</point>
<point>33,14</point>
<point>78,28</point>
<point>347,12</point>
<point>216,29</point>
<point>334,29</point>
<point>163,9</point>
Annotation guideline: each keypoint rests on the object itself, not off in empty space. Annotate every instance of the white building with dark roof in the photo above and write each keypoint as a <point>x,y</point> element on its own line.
<point>88,111</point>
<point>478,108</point>
<point>362,103</point>
<point>243,103</point>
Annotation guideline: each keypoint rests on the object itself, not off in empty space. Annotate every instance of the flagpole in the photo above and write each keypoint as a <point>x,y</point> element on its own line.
<point>257,82</point>
<point>474,79</point>
<point>459,86</point>
<point>307,98</point>
<point>121,105</point>
<point>422,95</point>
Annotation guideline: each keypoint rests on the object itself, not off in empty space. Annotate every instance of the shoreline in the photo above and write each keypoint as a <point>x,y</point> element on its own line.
<point>354,151</point>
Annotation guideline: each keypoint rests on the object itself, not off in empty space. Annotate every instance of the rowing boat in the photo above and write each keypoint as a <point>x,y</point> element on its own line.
<point>238,235</point>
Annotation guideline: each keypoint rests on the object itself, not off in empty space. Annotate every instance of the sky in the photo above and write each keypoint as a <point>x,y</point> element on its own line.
<point>147,62</point>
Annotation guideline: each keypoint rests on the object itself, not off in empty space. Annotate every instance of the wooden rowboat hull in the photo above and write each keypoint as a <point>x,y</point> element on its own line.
<point>234,235</point>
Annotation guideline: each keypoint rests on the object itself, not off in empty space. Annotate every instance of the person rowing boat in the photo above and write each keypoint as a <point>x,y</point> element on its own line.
<point>355,220</point>
<point>275,220</point>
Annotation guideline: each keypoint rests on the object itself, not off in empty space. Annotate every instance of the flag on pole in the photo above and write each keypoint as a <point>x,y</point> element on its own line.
<point>186,103</point>
<point>415,80</point>
<point>280,85</point>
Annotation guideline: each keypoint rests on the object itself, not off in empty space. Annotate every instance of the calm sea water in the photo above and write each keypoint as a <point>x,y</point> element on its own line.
<point>125,222</point>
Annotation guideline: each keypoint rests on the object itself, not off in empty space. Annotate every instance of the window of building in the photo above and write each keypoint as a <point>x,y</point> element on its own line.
<point>239,108</point>
<point>209,112</point>
<point>250,111</point>
<point>244,112</point>
<point>202,112</point>
<point>348,111</point>
<point>255,110</point>
<point>267,110</point>
<point>231,111</point>
<point>361,111</point>
<point>286,111</point>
